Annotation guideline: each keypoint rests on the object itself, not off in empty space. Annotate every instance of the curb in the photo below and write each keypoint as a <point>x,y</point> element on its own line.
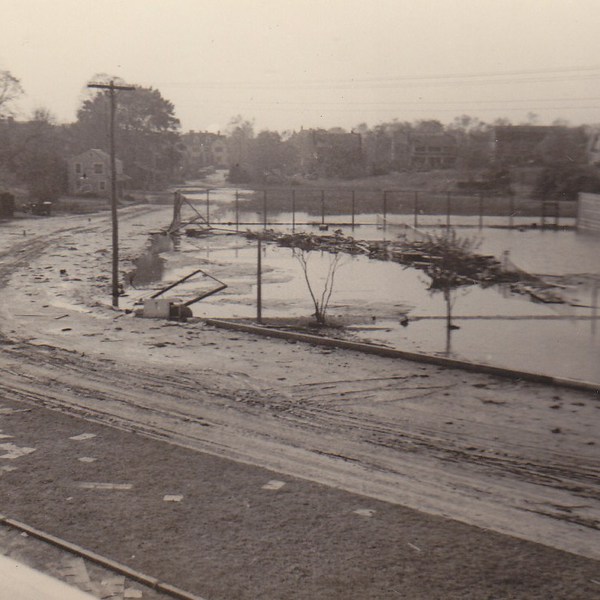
<point>146,580</point>
<point>403,354</point>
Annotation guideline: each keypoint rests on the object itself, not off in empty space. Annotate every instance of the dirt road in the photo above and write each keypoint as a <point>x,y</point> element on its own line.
<point>514,457</point>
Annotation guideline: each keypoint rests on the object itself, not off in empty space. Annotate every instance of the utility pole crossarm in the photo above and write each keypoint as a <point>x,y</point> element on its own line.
<point>111,86</point>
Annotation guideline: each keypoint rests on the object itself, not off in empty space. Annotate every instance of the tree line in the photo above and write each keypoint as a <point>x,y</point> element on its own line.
<point>559,157</point>
<point>34,152</point>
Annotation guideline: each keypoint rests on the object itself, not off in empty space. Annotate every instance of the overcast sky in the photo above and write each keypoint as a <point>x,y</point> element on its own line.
<point>314,63</point>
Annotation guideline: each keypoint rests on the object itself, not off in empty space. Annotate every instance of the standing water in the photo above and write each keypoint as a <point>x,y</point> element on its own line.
<point>386,303</point>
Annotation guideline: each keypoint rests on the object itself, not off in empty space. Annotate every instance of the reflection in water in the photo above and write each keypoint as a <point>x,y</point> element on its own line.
<point>150,267</point>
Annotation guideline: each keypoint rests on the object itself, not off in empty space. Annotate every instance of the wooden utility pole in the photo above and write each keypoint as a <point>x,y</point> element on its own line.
<point>112,88</point>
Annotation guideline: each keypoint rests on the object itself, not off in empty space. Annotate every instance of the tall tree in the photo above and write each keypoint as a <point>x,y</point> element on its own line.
<point>146,133</point>
<point>240,132</point>
<point>39,156</point>
<point>473,142</point>
<point>270,156</point>
<point>10,91</point>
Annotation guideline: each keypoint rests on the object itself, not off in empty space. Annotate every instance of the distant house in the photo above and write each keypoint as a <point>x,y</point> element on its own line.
<point>203,149</point>
<point>89,173</point>
<point>403,150</point>
<point>593,146</point>
<point>432,151</point>
<point>326,153</point>
<point>218,150</point>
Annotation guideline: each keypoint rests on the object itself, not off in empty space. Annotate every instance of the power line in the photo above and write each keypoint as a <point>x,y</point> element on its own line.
<point>501,77</point>
<point>461,110</point>
<point>424,103</point>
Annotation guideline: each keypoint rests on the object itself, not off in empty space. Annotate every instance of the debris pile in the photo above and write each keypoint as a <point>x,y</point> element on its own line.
<point>427,255</point>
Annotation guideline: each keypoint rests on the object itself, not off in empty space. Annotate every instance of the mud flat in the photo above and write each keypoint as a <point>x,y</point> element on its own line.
<point>514,457</point>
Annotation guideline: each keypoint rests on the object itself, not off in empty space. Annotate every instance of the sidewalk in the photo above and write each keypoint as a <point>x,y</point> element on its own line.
<point>225,531</point>
<point>20,582</point>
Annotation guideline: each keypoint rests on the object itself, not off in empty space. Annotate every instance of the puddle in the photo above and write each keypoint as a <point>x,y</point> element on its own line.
<point>492,325</point>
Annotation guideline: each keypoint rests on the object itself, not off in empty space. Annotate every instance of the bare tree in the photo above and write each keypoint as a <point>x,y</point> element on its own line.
<point>452,268</point>
<point>10,90</point>
<point>320,301</point>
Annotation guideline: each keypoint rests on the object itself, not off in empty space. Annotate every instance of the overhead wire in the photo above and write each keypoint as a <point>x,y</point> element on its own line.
<point>503,77</point>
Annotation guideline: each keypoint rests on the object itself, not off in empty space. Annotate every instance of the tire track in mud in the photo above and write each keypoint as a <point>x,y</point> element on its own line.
<point>338,447</point>
<point>552,469</point>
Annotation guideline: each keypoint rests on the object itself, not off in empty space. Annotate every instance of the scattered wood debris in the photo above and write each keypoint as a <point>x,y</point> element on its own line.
<point>425,255</point>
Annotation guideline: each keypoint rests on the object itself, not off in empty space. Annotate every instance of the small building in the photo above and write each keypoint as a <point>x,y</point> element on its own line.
<point>202,149</point>
<point>327,153</point>
<point>403,150</point>
<point>593,146</point>
<point>89,173</point>
<point>432,151</point>
<point>588,212</point>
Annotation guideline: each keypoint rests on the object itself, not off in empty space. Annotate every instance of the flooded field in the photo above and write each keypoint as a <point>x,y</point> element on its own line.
<point>386,303</point>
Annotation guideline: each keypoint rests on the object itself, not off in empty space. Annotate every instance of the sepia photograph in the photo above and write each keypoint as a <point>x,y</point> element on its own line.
<point>299,300</point>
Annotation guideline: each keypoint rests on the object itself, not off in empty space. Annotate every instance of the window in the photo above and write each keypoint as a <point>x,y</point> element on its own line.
<point>98,168</point>
<point>103,185</point>
<point>78,168</point>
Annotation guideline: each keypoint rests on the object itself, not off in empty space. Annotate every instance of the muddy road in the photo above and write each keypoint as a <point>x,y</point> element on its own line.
<point>514,457</point>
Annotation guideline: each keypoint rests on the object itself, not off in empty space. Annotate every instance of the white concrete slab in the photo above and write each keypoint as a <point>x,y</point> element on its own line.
<point>20,582</point>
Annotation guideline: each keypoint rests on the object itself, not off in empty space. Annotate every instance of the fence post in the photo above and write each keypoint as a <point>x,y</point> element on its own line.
<point>511,208</point>
<point>416,209</point>
<point>543,223</point>
<point>208,207</point>
<point>353,207</point>
<point>594,305</point>
<point>557,214</point>
<point>264,209</point>
<point>259,281</point>
<point>448,209</point>
<point>237,210</point>
<point>384,209</point>
<point>293,210</point>
<point>480,210</point>
<point>322,207</point>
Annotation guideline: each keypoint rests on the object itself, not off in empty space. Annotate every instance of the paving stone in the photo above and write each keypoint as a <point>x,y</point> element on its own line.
<point>91,485</point>
<point>112,587</point>
<point>83,436</point>
<point>13,451</point>
<point>75,573</point>
<point>364,512</point>
<point>172,498</point>
<point>274,484</point>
